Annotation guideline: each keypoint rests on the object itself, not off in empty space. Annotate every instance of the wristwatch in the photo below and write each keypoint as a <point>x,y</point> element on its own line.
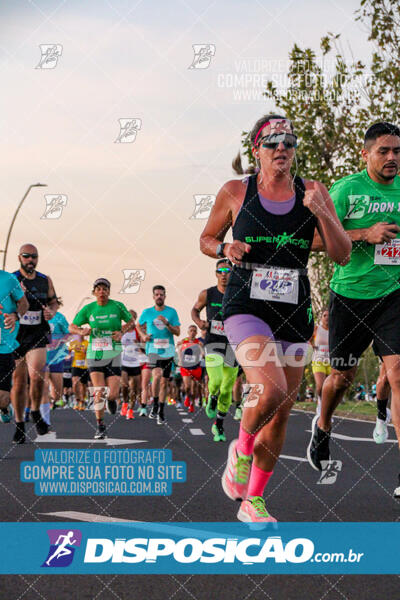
<point>220,250</point>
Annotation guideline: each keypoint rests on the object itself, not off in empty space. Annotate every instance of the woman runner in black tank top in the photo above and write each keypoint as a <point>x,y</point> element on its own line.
<point>268,297</point>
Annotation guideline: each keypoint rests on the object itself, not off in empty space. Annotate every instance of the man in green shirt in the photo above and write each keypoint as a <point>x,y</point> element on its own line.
<point>365,293</point>
<point>104,319</point>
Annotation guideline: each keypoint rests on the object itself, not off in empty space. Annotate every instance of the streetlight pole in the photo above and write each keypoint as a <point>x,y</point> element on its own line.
<point>81,303</point>
<point>15,216</point>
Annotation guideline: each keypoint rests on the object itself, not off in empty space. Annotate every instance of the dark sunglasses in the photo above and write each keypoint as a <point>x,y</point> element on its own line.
<point>224,270</point>
<point>272,141</point>
<point>28,255</point>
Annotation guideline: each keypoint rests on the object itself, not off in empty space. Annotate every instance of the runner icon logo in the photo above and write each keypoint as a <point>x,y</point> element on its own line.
<point>132,280</point>
<point>203,54</point>
<point>50,54</point>
<point>128,129</point>
<point>54,206</point>
<point>62,547</point>
<point>358,204</point>
<point>203,204</point>
<point>251,394</point>
<point>330,471</point>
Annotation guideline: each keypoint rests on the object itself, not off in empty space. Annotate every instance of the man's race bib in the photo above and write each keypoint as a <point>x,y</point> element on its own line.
<point>388,253</point>
<point>161,343</point>
<point>31,317</point>
<point>102,343</point>
<point>276,285</point>
<point>217,327</point>
<point>79,363</point>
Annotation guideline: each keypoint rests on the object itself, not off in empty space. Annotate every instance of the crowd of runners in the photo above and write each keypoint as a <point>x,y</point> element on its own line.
<point>253,329</point>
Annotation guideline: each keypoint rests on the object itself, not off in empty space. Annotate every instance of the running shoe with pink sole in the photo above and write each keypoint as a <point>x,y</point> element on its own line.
<point>253,510</point>
<point>235,479</point>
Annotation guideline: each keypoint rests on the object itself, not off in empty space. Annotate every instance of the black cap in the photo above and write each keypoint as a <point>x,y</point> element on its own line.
<point>102,281</point>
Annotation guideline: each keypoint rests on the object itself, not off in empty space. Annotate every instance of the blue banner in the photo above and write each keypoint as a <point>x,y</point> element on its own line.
<point>200,548</point>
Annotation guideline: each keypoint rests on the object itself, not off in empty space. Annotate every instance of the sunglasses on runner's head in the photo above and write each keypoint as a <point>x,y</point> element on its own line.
<point>224,270</point>
<point>28,255</point>
<point>272,141</point>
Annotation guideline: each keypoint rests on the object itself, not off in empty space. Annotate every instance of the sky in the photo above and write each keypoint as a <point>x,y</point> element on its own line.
<point>127,205</point>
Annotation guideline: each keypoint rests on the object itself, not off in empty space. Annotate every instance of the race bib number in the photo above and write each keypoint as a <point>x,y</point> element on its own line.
<point>276,285</point>
<point>321,354</point>
<point>189,359</point>
<point>80,363</point>
<point>102,343</point>
<point>217,327</point>
<point>31,317</point>
<point>130,355</point>
<point>161,343</point>
<point>388,253</point>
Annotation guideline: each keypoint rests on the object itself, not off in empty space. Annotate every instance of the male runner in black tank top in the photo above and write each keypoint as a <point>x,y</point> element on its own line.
<point>33,336</point>
<point>220,360</point>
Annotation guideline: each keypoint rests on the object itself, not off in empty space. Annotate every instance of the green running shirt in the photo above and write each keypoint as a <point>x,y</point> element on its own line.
<point>103,320</point>
<point>360,202</point>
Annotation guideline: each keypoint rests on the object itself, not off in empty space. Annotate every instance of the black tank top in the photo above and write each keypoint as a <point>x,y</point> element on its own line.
<point>276,240</point>
<point>214,316</point>
<point>279,241</point>
<point>37,294</point>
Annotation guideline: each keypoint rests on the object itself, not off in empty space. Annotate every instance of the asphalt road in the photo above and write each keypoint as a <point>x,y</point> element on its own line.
<point>363,491</point>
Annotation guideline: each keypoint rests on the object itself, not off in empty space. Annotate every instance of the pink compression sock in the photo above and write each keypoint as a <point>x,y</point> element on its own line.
<point>245,444</point>
<point>258,481</point>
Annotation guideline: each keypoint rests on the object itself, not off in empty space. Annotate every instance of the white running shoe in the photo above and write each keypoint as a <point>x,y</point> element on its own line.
<point>396,492</point>
<point>381,433</point>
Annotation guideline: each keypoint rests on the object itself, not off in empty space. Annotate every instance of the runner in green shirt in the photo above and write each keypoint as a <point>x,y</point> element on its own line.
<point>104,317</point>
<point>365,293</point>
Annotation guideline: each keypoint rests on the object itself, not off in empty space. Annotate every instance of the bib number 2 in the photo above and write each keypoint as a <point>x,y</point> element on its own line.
<point>275,285</point>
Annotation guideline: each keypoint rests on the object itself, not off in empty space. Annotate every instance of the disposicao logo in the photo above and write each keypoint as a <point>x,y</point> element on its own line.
<point>191,550</point>
<point>62,547</point>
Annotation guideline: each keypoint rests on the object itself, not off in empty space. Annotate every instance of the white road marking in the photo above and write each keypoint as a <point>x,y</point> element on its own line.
<point>187,420</point>
<point>339,417</point>
<point>349,438</point>
<point>298,458</point>
<point>51,438</point>
<point>197,432</point>
<point>173,529</point>
<point>90,517</point>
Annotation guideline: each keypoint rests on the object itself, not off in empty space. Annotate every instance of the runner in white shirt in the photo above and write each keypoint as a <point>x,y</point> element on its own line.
<point>131,380</point>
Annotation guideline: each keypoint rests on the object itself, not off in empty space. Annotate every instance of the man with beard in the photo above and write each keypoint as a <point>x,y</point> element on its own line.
<point>33,336</point>
<point>158,325</point>
<point>365,293</point>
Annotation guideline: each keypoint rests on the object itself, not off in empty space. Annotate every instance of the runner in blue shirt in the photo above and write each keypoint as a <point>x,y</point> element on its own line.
<point>158,325</point>
<point>56,353</point>
<point>13,304</point>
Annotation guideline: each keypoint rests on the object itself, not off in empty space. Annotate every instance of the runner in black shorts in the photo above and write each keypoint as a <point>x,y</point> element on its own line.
<point>131,377</point>
<point>365,293</point>
<point>158,325</point>
<point>79,370</point>
<point>105,318</point>
<point>12,304</point>
<point>33,337</point>
<point>267,305</point>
